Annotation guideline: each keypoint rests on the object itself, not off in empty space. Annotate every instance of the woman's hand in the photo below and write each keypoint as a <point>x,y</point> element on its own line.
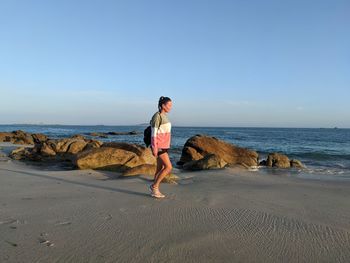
<point>154,152</point>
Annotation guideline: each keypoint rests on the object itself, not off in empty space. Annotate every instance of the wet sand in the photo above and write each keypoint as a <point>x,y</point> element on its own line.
<point>210,216</point>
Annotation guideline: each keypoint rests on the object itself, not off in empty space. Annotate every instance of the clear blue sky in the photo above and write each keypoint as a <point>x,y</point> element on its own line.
<point>223,63</point>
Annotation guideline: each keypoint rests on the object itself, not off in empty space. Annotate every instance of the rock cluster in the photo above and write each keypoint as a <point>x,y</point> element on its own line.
<point>55,149</point>
<point>21,137</point>
<point>279,160</point>
<point>200,152</point>
<point>114,156</point>
<point>205,152</point>
<point>129,159</point>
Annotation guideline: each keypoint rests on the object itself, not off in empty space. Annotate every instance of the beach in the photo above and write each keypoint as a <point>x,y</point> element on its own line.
<point>224,215</point>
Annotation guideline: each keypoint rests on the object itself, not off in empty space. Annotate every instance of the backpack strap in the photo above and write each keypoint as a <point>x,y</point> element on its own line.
<point>160,119</point>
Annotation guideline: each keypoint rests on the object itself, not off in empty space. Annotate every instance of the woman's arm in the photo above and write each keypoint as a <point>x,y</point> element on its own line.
<point>155,124</point>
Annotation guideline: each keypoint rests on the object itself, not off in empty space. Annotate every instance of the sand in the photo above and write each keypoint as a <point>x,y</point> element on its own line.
<point>210,216</point>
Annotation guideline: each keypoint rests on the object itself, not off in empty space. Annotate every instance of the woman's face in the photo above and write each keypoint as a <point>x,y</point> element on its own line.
<point>167,106</point>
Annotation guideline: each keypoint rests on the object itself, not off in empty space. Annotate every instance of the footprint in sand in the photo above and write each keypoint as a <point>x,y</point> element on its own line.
<point>108,217</point>
<point>26,198</point>
<point>45,242</point>
<point>65,223</point>
<point>42,240</point>
<point>8,221</point>
<point>11,243</point>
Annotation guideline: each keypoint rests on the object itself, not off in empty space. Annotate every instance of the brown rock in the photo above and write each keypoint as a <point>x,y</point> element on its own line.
<point>103,158</point>
<point>78,136</point>
<point>144,154</point>
<point>19,134</point>
<point>192,153</point>
<point>21,137</point>
<point>46,150</point>
<point>278,160</point>
<point>19,153</point>
<point>28,139</point>
<point>296,163</point>
<point>61,146</point>
<point>5,136</point>
<point>76,146</point>
<point>125,146</point>
<point>210,161</point>
<point>39,137</point>
<point>112,158</point>
<point>17,150</point>
<point>199,146</point>
<point>93,144</point>
<point>18,141</point>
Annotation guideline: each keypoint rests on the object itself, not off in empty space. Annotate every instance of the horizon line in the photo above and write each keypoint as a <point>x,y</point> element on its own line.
<point>180,126</point>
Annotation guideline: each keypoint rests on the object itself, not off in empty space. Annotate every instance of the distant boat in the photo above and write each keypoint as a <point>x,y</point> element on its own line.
<point>335,128</point>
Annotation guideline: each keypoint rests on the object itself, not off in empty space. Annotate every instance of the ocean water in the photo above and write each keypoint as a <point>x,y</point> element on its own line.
<point>325,152</point>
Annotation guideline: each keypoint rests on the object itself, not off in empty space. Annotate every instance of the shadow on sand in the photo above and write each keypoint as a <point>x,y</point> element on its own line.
<point>79,183</point>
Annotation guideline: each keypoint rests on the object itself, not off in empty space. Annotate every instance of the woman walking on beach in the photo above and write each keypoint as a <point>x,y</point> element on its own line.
<point>160,143</point>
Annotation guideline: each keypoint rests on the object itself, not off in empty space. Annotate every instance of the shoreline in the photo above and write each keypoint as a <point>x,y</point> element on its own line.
<point>215,215</point>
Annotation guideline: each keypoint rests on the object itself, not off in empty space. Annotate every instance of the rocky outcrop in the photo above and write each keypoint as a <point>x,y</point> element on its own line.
<point>205,152</point>
<point>21,137</point>
<point>279,160</point>
<point>54,149</point>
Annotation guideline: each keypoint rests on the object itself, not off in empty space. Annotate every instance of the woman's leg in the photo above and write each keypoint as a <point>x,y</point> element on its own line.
<point>164,158</point>
<point>160,166</point>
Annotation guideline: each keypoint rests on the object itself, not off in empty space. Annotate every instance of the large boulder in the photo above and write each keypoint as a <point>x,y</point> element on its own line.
<point>199,146</point>
<point>76,146</point>
<point>114,156</point>
<point>210,161</point>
